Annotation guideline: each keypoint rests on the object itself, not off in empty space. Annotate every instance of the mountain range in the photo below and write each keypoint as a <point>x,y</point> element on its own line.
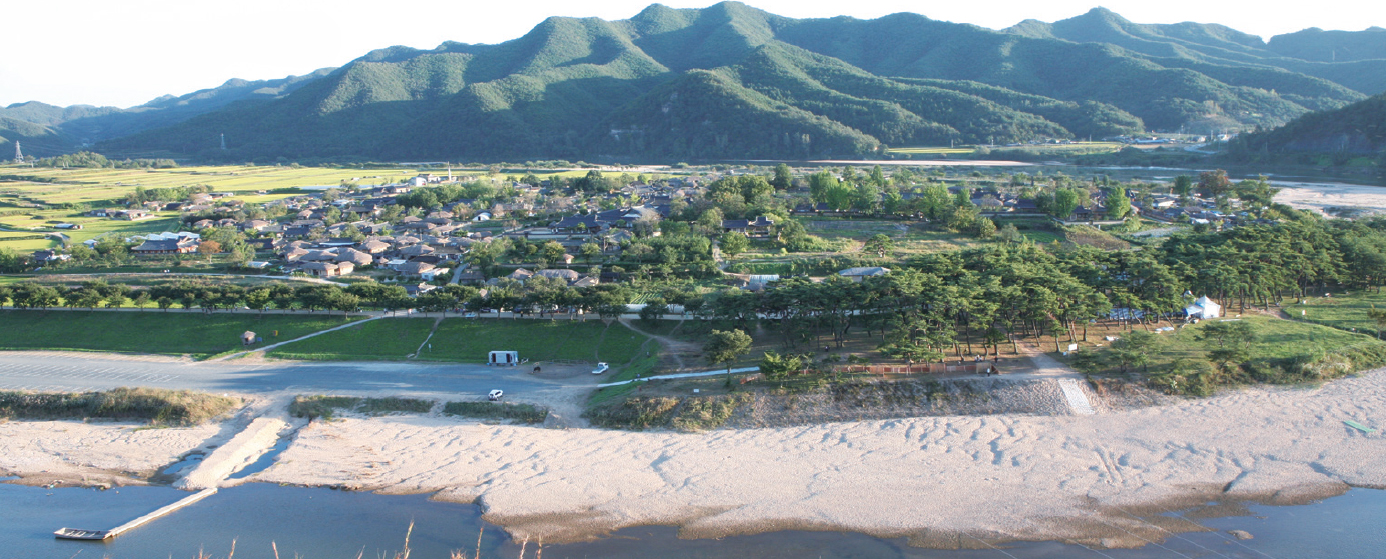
<point>732,81</point>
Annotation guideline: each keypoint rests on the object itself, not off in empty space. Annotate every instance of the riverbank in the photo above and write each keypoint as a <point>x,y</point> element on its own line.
<point>950,481</point>
<point>938,480</point>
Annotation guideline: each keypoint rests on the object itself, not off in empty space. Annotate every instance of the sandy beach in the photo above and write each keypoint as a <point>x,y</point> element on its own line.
<point>952,481</point>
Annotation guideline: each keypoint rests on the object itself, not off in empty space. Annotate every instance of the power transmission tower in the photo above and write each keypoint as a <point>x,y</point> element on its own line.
<point>223,141</point>
<point>18,155</point>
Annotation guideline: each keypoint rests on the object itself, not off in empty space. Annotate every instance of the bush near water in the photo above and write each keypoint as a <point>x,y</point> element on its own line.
<point>171,408</point>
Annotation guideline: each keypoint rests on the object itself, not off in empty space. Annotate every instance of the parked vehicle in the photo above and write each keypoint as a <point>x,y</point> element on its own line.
<point>601,368</point>
<point>495,395</point>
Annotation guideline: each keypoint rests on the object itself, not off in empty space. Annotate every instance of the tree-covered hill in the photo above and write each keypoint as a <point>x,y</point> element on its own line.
<point>36,139</point>
<point>732,80</point>
<point>1357,129</point>
<point>89,124</point>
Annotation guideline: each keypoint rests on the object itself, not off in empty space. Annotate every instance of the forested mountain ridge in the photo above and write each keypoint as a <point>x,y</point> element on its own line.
<point>76,125</point>
<point>1355,130</point>
<point>734,81</point>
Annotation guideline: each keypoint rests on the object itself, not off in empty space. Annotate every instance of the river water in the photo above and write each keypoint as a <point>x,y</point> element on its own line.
<point>315,523</point>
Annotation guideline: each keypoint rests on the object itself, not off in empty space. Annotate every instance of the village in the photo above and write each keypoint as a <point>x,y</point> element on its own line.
<point>383,234</point>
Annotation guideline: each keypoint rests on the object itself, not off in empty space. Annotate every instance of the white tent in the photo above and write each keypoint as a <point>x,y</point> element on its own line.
<point>1203,308</point>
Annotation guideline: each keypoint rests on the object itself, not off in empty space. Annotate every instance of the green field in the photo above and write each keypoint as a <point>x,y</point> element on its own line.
<point>167,333</point>
<point>387,339</point>
<point>1341,311</point>
<point>469,340</point>
<point>932,150</point>
<point>1277,339</point>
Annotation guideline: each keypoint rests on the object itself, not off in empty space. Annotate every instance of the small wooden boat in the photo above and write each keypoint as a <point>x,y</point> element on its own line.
<point>75,534</point>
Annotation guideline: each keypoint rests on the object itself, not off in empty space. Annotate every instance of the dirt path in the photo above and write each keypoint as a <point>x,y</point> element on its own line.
<point>262,350</point>
<point>425,342</point>
<point>674,349</point>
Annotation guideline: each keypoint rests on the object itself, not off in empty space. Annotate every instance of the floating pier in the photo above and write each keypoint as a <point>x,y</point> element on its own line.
<point>76,534</point>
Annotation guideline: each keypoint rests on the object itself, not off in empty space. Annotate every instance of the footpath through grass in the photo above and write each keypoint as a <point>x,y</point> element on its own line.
<point>469,340</point>
<point>165,333</point>
<point>389,339</point>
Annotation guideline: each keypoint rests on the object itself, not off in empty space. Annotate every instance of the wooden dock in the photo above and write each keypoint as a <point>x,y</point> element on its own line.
<point>76,534</point>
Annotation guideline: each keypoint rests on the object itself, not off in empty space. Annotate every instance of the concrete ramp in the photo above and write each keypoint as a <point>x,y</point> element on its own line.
<point>1077,400</point>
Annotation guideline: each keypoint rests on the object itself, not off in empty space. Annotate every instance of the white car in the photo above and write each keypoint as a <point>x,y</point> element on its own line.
<point>601,368</point>
<point>495,395</point>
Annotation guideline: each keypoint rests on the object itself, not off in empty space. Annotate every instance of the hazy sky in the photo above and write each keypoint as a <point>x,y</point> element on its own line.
<point>100,52</point>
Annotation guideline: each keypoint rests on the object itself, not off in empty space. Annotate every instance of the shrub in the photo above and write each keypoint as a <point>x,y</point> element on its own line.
<point>707,412</point>
<point>314,407</point>
<point>381,406</point>
<point>634,413</point>
<point>158,406</point>
<point>524,413</point>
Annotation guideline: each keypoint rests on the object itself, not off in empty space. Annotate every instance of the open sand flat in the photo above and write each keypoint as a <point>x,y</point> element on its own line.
<point>946,481</point>
<point>1321,196</point>
<point>98,452</point>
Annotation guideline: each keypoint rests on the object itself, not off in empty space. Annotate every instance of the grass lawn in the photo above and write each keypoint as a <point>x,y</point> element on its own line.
<point>169,333</point>
<point>387,339</point>
<point>469,340</point>
<point>1341,311</point>
<point>1276,339</point>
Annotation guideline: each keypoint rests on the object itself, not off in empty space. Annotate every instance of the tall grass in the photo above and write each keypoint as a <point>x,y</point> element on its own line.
<point>156,405</point>
<point>325,407</point>
<point>524,413</point>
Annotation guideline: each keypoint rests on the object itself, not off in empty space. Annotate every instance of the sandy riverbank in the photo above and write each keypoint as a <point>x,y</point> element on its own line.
<point>950,481</point>
<point>96,453</point>
<point>1324,196</point>
<point>940,479</point>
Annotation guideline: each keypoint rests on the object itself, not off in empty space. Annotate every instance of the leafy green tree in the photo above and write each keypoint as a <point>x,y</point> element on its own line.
<point>1215,182</point>
<point>1230,342</point>
<point>552,251</point>
<point>1183,185</point>
<point>778,367</point>
<point>724,347</point>
<point>733,243</point>
<point>819,184</point>
<point>784,177</point>
<point>258,299</point>
<point>141,300</point>
<point>164,303</point>
<point>589,251</point>
<point>1065,201</point>
<point>1118,204</point>
<point>1010,233</point>
<point>880,243</point>
<point>986,228</point>
<point>1134,349</point>
<point>654,309</point>
<point>878,177</point>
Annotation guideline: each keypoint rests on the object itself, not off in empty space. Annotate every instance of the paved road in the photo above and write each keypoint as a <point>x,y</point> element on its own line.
<point>45,371</point>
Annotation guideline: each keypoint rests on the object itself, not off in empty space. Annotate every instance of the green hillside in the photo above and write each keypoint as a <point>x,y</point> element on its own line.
<point>1357,129</point>
<point>36,139</point>
<point>732,80</point>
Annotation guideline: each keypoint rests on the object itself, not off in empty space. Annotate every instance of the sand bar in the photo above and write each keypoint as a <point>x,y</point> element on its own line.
<point>950,481</point>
